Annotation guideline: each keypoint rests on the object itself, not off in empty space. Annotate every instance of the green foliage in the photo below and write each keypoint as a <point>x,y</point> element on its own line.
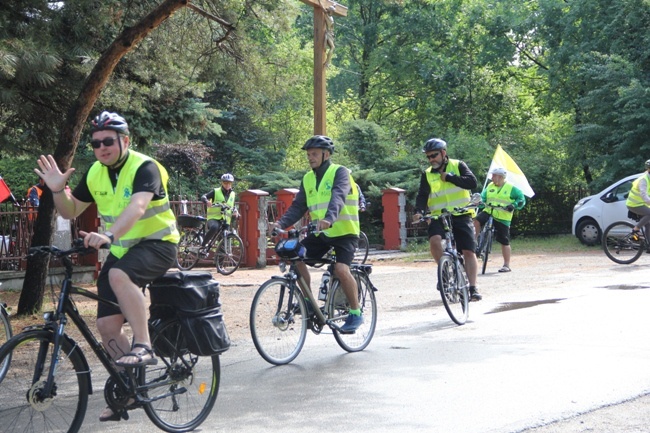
<point>272,182</point>
<point>562,86</point>
<point>18,174</point>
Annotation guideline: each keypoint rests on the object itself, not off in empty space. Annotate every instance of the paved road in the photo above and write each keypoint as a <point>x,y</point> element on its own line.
<point>555,346</point>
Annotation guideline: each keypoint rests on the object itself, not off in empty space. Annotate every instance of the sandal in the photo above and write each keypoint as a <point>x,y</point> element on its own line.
<point>504,269</point>
<point>145,357</point>
<point>109,415</point>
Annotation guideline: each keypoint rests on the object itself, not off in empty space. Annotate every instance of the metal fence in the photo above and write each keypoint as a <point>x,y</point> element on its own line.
<point>548,213</point>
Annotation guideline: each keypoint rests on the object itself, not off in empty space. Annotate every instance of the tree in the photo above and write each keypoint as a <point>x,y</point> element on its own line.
<point>37,267</point>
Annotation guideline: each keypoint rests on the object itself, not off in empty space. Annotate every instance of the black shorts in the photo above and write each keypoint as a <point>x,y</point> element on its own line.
<point>463,229</point>
<point>143,263</point>
<point>501,231</point>
<point>344,247</point>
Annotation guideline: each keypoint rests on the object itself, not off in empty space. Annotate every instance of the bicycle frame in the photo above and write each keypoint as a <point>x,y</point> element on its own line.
<point>293,275</point>
<point>56,322</point>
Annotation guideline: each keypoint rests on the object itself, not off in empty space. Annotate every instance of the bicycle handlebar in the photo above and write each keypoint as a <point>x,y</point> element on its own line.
<point>446,212</point>
<point>77,248</point>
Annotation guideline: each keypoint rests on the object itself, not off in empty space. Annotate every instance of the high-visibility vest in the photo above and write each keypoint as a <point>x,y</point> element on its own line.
<point>634,199</point>
<point>214,212</point>
<point>157,223</point>
<point>318,200</point>
<point>446,195</point>
<point>495,196</point>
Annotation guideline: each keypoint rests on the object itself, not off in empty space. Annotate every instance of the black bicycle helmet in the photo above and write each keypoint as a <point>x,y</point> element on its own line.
<point>112,121</point>
<point>320,142</point>
<point>434,144</point>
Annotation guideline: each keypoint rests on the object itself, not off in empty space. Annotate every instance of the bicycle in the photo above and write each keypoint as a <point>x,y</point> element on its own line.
<point>48,381</point>
<point>5,334</point>
<point>622,245</point>
<point>284,306</point>
<point>486,237</point>
<point>452,279</point>
<point>229,250</point>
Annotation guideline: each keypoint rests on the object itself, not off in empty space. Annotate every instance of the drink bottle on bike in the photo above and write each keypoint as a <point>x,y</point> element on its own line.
<point>322,290</point>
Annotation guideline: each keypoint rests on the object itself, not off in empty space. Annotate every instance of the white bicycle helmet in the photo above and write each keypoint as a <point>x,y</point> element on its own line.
<point>500,171</point>
<point>227,177</point>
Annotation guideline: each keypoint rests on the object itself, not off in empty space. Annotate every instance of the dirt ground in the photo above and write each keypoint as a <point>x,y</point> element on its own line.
<point>238,289</point>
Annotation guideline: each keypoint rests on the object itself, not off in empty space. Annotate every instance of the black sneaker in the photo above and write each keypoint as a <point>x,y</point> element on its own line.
<point>474,295</point>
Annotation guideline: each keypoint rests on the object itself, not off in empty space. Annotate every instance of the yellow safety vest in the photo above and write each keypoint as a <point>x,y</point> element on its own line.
<point>634,198</point>
<point>158,222</point>
<point>318,200</point>
<point>499,197</point>
<point>446,195</point>
<point>214,213</point>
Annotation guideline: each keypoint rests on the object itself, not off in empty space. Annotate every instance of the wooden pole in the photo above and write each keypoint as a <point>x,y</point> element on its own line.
<point>320,88</point>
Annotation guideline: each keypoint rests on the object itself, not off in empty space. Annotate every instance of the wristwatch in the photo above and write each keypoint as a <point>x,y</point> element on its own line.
<point>110,236</point>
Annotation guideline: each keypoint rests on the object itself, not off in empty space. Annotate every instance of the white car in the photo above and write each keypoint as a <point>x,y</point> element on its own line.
<point>593,214</point>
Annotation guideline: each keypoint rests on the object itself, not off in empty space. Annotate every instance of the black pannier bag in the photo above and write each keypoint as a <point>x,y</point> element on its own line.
<point>193,298</point>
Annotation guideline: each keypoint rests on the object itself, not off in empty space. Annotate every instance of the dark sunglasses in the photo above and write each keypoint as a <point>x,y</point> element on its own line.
<point>433,155</point>
<point>108,142</point>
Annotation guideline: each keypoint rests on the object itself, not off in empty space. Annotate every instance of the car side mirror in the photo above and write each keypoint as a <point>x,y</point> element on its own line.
<point>610,197</point>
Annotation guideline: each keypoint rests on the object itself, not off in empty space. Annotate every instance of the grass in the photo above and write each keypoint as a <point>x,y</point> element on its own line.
<point>523,245</point>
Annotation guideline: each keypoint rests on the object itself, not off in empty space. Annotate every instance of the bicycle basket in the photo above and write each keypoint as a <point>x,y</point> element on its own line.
<point>189,221</point>
<point>290,249</point>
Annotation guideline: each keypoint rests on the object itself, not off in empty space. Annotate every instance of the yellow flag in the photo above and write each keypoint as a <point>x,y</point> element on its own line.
<point>515,175</point>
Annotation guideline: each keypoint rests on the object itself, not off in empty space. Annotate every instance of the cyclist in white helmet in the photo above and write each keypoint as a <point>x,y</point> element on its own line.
<point>217,216</point>
<point>510,198</point>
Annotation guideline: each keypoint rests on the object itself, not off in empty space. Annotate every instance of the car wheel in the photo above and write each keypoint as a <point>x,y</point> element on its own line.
<point>588,232</point>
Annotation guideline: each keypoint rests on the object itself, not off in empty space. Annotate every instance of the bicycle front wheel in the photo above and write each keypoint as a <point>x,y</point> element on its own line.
<point>230,252</point>
<point>278,321</point>
<point>486,249</point>
<point>338,308</point>
<point>452,282</point>
<point>24,407</point>
<point>363,248</point>
<point>620,245</point>
<point>182,387</point>
<point>5,335</point>
<point>188,250</point>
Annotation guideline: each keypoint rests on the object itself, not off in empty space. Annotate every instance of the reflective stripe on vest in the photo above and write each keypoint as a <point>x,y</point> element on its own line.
<point>446,195</point>
<point>347,222</point>
<point>634,199</point>
<point>214,212</point>
<point>157,223</point>
<point>496,196</point>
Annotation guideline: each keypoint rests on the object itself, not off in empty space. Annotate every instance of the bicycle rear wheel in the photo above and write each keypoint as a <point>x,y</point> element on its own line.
<point>5,335</point>
<point>23,407</point>
<point>619,244</point>
<point>363,248</point>
<point>453,289</point>
<point>278,321</point>
<point>188,249</point>
<point>338,308</point>
<point>230,252</point>
<point>183,387</point>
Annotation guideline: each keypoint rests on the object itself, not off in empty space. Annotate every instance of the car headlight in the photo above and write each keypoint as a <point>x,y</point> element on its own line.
<point>581,203</point>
